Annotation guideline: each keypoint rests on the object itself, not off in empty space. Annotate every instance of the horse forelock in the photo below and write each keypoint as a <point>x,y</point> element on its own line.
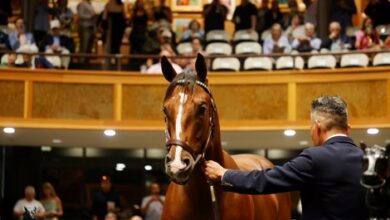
<point>186,79</point>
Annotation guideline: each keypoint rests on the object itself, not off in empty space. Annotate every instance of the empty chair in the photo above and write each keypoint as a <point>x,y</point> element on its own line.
<point>244,35</point>
<point>383,30</point>
<point>321,62</point>
<point>226,63</point>
<point>288,62</point>
<point>354,60</point>
<point>248,48</point>
<point>219,49</point>
<point>217,36</point>
<point>258,63</point>
<point>381,59</point>
<point>54,60</point>
<point>184,48</point>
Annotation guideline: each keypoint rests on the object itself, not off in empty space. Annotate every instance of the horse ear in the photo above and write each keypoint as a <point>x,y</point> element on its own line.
<point>201,68</point>
<point>363,145</point>
<point>167,69</point>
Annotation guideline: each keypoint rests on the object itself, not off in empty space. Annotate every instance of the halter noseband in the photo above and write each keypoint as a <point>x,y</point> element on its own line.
<point>195,155</point>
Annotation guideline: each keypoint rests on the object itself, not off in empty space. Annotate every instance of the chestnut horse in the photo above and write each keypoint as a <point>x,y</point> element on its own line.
<point>193,133</point>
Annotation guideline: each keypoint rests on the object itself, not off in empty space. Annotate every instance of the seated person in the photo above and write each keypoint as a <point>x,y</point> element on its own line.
<point>336,41</point>
<point>56,42</point>
<point>106,200</point>
<point>20,37</point>
<point>31,61</point>
<point>4,42</point>
<point>296,21</point>
<point>368,38</point>
<point>29,204</point>
<point>193,31</point>
<point>189,64</point>
<point>156,68</point>
<point>276,43</point>
<point>10,61</point>
<point>308,42</point>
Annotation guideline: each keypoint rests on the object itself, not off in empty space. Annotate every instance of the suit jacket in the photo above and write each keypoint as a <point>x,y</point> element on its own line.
<point>328,177</point>
<point>65,42</point>
<point>327,43</point>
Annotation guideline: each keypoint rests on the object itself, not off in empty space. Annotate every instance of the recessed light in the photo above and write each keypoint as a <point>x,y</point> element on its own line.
<point>372,131</point>
<point>45,148</point>
<point>57,141</point>
<point>289,132</point>
<point>148,167</point>
<point>120,166</point>
<point>303,143</point>
<point>109,132</point>
<point>9,130</point>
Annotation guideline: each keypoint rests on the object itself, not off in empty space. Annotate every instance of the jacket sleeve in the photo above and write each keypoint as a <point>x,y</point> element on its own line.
<point>291,176</point>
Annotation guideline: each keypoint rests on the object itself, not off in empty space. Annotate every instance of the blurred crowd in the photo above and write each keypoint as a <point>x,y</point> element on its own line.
<point>106,204</point>
<point>151,32</point>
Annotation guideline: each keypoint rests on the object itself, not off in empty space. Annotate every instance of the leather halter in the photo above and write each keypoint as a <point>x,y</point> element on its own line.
<point>195,155</point>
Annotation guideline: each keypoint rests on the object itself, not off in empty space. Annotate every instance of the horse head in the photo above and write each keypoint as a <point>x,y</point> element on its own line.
<point>189,112</point>
<point>375,165</point>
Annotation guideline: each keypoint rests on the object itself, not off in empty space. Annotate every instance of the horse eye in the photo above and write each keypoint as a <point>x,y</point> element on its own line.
<point>201,109</point>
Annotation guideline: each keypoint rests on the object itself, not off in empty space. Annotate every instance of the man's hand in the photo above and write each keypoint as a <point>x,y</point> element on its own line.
<point>214,171</point>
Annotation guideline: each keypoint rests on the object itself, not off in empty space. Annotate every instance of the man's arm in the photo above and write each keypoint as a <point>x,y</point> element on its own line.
<point>291,176</point>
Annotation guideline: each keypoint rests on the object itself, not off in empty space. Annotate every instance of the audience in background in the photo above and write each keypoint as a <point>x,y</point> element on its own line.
<point>294,10</point>
<point>263,17</point>
<point>114,16</point>
<point>368,38</point>
<point>162,12</point>
<point>4,42</point>
<point>336,41</point>
<point>41,20</point>
<point>244,16</point>
<point>276,15</point>
<point>308,42</point>
<point>105,200</point>
<point>379,12</point>
<point>214,15</point>
<point>86,25</point>
<point>20,37</point>
<point>29,204</point>
<point>138,22</point>
<point>342,11</point>
<point>33,61</point>
<point>9,60</point>
<point>51,202</point>
<point>296,21</point>
<point>65,16</point>
<point>311,11</point>
<point>276,43</point>
<point>110,216</point>
<point>156,68</point>
<point>193,31</point>
<point>153,204</point>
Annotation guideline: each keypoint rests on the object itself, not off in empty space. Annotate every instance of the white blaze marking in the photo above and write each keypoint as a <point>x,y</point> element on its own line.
<point>177,163</point>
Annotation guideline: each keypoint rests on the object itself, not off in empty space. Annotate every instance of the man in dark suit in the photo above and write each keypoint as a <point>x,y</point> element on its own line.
<point>327,175</point>
<point>336,41</point>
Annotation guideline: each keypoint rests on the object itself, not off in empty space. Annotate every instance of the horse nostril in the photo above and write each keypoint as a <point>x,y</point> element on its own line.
<point>168,159</point>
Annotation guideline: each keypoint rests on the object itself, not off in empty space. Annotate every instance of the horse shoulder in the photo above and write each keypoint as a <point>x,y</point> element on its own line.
<point>251,161</point>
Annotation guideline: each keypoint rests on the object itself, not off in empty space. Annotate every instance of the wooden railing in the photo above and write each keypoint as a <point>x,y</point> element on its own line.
<point>133,101</point>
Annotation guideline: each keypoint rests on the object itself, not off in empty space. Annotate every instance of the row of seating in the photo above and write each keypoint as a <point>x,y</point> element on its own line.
<point>320,61</point>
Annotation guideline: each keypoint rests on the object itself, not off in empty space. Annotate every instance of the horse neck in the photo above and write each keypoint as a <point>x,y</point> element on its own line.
<point>214,149</point>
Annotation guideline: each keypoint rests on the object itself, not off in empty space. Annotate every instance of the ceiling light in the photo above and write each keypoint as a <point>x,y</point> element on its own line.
<point>289,132</point>
<point>120,166</point>
<point>109,132</point>
<point>9,130</point>
<point>372,131</point>
<point>303,143</point>
<point>148,167</point>
<point>57,141</point>
<point>45,148</point>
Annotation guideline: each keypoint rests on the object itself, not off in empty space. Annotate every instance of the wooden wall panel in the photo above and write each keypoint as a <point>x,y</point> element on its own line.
<point>11,98</point>
<point>142,102</point>
<point>251,102</point>
<point>366,99</point>
<point>72,101</point>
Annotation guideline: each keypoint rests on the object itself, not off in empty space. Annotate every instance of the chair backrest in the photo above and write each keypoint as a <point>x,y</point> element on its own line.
<point>258,63</point>
<point>248,48</point>
<point>354,60</point>
<point>54,60</point>
<point>299,31</point>
<point>219,49</point>
<point>4,59</point>
<point>321,61</point>
<point>381,59</point>
<point>217,36</point>
<point>383,30</point>
<point>288,62</point>
<point>244,35</point>
<point>265,34</point>
<point>226,63</point>
<point>184,48</point>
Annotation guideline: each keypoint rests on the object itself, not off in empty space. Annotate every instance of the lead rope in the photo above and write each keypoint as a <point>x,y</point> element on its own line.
<point>214,201</point>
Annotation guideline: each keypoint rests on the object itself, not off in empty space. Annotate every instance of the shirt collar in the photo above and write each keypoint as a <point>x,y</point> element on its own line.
<point>336,135</point>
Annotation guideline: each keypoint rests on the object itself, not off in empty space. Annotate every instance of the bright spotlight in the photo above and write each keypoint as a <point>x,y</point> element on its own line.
<point>372,131</point>
<point>120,166</point>
<point>9,130</point>
<point>289,132</point>
<point>148,167</point>
<point>109,132</point>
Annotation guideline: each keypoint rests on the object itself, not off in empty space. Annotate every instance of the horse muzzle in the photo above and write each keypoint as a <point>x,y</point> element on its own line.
<point>179,172</point>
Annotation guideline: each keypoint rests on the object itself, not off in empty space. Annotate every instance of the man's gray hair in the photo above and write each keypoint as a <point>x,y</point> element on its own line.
<point>29,189</point>
<point>331,111</point>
